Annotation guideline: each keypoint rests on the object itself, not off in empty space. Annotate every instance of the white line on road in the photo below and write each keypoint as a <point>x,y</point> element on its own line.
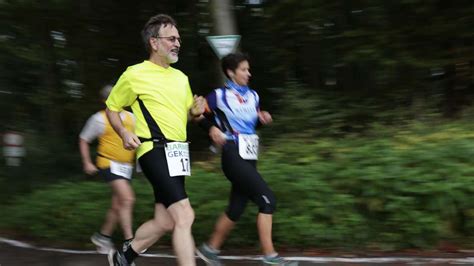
<point>465,260</point>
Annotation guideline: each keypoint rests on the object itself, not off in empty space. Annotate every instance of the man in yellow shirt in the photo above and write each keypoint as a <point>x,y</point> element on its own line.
<point>161,99</point>
<point>114,164</point>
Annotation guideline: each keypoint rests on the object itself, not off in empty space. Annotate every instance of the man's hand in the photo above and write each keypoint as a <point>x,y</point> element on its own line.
<point>217,136</point>
<point>199,106</point>
<point>89,168</point>
<point>265,117</point>
<point>130,141</point>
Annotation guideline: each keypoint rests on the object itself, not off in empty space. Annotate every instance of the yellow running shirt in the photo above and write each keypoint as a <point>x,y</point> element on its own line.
<point>160,99</point>
<point>110,144</point>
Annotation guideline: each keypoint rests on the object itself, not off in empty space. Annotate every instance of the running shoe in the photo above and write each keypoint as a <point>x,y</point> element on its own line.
<point>103,244</point>
<point>207,255</point>
<point>277,260</point>
<point>117,258</point>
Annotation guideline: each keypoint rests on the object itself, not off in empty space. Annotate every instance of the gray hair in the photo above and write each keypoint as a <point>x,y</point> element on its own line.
<point>153,26</point>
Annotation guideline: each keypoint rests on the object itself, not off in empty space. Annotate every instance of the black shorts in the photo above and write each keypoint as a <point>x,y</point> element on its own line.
<point>247,183</point>
<point>109,177</point>
<point>167,189</point>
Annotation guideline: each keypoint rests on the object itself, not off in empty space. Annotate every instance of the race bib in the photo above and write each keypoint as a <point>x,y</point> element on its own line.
<point>248,146</point>
<point>121,169</point>
<point>177,157</point>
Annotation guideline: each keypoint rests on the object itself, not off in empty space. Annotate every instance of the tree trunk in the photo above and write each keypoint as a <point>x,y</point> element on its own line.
<point>224,24</point>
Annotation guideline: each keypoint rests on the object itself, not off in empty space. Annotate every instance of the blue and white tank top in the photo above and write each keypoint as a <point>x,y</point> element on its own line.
<point>235,109</point>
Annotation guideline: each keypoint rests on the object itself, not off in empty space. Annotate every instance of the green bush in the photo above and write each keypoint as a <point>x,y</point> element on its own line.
<point>66,211</point>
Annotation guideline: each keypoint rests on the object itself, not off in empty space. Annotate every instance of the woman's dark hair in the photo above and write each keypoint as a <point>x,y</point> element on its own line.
<point>232,61</point>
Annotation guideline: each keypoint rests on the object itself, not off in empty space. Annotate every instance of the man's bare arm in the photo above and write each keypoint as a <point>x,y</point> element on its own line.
<point>87,164</point>
<point>129,139</point>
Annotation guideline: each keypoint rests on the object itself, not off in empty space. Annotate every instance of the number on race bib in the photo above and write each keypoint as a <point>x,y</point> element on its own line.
<point>121,169</point>
<point>248,146</point>
<point>185,164</point>
<point>177,157</point>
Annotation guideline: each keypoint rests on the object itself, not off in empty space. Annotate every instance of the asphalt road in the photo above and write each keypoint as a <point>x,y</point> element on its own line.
<point>21,254</point>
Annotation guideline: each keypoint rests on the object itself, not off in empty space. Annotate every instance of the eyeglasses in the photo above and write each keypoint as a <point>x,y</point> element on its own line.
<point>172,39</point>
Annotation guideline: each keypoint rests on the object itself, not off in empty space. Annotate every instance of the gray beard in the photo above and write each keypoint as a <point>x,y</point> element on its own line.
<point>173,60</point>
